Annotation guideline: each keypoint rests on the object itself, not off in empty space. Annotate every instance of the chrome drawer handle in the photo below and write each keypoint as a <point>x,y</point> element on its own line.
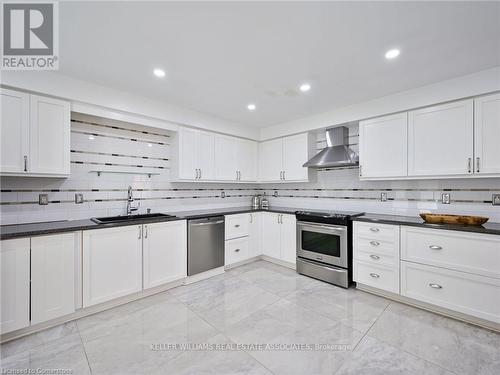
<point>236,250</point>
<point>374,243</point>
<point>376,257</point>
<point>237,226</point>
<point>435,247</point>
<point>375,229</point>
<point>435,286</point>
<point>375,275</point>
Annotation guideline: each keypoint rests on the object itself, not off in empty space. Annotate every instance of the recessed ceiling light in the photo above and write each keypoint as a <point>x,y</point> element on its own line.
<point>305,87</point>
<point>251,107</point>
<point>160,73</point>
<point>392,53</point>
<point>91,137</point>
<point>150,145</point>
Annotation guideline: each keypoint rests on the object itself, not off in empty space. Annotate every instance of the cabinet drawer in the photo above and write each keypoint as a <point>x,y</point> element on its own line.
<point>461,251</point>
<point>236,226</point>
<point>463,292</point>
<point>376,232</point>
<point>374,257</point>
<point>377,276</point>
<point>379,246</point>
<point>236,250</point>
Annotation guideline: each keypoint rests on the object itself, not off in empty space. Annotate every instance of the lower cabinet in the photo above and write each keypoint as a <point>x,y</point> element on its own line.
<point>255,234</point>
<point>15,284</point>
<point>112,263</point>
<point>164,253</point>
<point>279,236</point>
<point>53,280</point>
<point>236,250</point>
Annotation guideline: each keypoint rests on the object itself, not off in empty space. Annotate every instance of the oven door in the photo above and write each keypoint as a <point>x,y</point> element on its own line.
<point>322,242</point>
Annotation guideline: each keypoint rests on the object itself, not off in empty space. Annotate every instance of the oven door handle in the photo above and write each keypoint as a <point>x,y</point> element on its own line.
<point>327,227</point>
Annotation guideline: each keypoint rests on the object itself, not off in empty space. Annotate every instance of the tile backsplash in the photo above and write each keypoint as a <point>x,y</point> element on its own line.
<point>142,157</point>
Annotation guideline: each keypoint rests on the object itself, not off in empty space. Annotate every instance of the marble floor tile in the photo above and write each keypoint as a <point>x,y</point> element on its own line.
<point>456,346</point>
<point>351,307</point>
<point>374,357</point>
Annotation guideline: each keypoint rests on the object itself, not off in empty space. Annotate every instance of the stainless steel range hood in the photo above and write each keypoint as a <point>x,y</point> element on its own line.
<point>337,153</point>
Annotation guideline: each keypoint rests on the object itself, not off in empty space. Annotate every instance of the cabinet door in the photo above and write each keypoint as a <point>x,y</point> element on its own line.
<point>52,276</point>
<point>247,160</point>
<point>487,135</point>
<point>295,154</point>
<point>49,136</point>
<point>15,284</point>
<point>206,155</point>
<point>271,235</point>
<point>255,234</point>
<point>271,160</point>
<point>165,253</point>
<point>288,238</point>
<point>383,146</point>
<point>187,154</point>
<point>14,131</point>
<point>440,140</point>
<point>112,263</point>
<point>226,158</point>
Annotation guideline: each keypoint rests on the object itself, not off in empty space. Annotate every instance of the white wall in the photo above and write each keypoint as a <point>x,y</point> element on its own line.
<point>82,93</point>
<point>470,85</point>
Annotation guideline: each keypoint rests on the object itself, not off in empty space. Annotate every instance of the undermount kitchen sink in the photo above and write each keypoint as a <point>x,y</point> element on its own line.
<point>124,218</point>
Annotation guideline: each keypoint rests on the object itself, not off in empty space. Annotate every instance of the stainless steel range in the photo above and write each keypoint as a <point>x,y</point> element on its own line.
<point>324,245</point>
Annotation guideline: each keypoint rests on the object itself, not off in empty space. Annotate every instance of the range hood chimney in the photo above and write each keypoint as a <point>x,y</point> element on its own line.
<point>337,153</point>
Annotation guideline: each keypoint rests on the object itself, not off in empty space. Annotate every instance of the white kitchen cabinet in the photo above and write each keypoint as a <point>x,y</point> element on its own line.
<point>49,136</point>
<point>14,131</point>
<point>35,135</point>
<point>52,276</point>
<point>440,140</point>
<point>487,135</point>
<point>279,236</point>
<point>288,238</point>
<point>195,153</point>
<point>235,159</point>
<point>15,284</point>
<point>383,147</point>
<point>255,234</point>
<point>271,160</point>
<point>164,253</point>
<point>281,160</point>
<point>112,263</point>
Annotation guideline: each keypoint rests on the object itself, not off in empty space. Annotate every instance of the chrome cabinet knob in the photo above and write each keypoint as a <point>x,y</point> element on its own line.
<point>374,275</point>
<point>435,247</point>
<point>374,243</point>
<point>435,286</point>
<point>375,229</point>
<point>236,250</point>
<point>376,257</point>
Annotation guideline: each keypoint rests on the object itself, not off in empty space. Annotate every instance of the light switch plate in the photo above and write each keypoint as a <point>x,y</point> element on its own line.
<point>445,198</point>
<point>43,199</point>
<point>383,197</point>
<point>78,198</point>
<point>495,199</point>
<point>223,194</point>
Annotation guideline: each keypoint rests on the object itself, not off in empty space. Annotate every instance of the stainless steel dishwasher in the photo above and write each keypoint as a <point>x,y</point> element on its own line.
<point>205,244</point>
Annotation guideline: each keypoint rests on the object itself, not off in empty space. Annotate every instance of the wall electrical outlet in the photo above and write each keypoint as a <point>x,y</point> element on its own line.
<point>383,197</point>
<point>445,198</point>
<point>43,199</point>
<point>275,194</point>
<point>495,199</point>
<point>78,198</point>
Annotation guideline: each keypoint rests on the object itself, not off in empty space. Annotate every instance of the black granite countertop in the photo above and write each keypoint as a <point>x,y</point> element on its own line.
<point>416,221</point>
<point>37,229</point>
<point>41,228</point>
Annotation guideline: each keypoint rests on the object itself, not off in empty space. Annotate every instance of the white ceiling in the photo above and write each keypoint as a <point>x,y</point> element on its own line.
<point>221,56</point>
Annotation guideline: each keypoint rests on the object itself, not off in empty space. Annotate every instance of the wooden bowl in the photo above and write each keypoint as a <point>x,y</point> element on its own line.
<point>454,219</point>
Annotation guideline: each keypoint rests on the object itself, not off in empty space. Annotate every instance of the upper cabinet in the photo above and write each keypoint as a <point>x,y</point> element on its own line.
<point>457,139</point>
<point>383,147</point>
<point>35,135</point>
<point>204,156</point>
<point>281,160</point>
<point>487,135</point>
<point>440,140</point>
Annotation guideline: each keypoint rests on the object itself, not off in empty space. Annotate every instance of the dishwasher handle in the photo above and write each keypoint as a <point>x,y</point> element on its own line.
<point>206,223</point>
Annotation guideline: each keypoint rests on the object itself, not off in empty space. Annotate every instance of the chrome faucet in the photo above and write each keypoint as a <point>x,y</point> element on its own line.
<point>130,201</point>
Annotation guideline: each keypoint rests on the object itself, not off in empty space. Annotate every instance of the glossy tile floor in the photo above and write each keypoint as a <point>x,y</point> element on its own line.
<point>257,304</point>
